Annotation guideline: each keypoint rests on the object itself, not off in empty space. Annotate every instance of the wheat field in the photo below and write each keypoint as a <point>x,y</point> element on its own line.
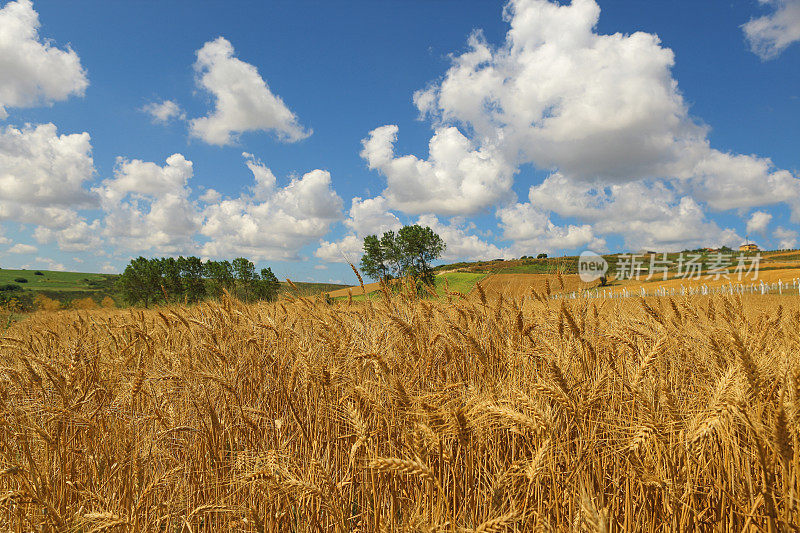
<point>404,414</point>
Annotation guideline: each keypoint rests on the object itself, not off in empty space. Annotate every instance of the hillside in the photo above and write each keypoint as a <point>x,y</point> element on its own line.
<point>66,287</point>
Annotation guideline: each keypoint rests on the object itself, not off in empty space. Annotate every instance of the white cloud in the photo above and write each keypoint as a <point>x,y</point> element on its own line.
<point>22,249</point>
<point>772,34</point>
<point>461,244</point>
<point>456,178</point>
<point>369,216</point>
<point>758,222</point>
<point>347,249</point>
<point>532,232</point>
<point>147,206</point>
<point>76,236</point>
<point>602,112</point>
<point>786,238</point>
<point>162,113</point>
<point>210,196</point>
<point>274,222</point>
<point>243,100</point>
<point>33,71</point>
<point>42,177</point>
<point>648,214</point>
<point>51,264</point>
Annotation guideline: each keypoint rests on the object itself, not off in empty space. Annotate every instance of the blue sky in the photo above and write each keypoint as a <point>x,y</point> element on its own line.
<point>286,131</point>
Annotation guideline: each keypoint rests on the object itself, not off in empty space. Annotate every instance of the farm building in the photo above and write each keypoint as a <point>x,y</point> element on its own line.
<point>749,247</point>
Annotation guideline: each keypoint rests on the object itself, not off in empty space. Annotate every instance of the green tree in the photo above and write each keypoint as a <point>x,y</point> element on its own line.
<point>409,252</point>
<point>140,282</point>
<point>244,271</point>
<point>193,284</point>
<point>420,245</point>
<point>220,276</point>
<point>374,261</point>
<point>171,283</point>
<point>267,287</point>
<point>395,260</point>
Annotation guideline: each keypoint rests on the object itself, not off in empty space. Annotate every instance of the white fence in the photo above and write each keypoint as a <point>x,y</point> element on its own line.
<point>780,287</point>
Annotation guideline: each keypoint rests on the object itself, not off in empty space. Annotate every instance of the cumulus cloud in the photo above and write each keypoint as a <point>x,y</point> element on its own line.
<point>33,71</point>
<point>147,206</point>
<point>164,112</point>
<point>23,249</point>
<point>648,214</point>
<point>533,232</point>
<point>42,179</point>
<point>51,264</point>
<point>786,238</point>
<point>772,34</point>
<point>369,216</point>
<point>271,222</point>
<point>461,242</point>
<point>758,222</point>
<point>601,112</point>
<point>457,178</point>
<point>243,100</point>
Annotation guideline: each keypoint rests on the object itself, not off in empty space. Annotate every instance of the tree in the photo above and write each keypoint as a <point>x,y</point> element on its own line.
<point>244,271</point>
<point>393,253</point>
<point>220,276</point>
<point>374,260</point>
<point>170,284</point>
<point>193,284</point>
<point>267,287</point>
<point>419,246</point>
<point>140,282</point>
<point>541,256</point>
<point>409,252</point>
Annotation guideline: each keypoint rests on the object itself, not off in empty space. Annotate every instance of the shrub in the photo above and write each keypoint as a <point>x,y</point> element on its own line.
<point>10,287</point>
<point>21,280</point>
<point>84,304</point>
<point>43,303</point>
<point>38,273</point>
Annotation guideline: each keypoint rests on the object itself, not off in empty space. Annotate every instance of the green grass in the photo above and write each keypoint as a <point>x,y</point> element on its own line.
<point>462,282</point>
<point>309,288</point>
<point>56,281</point>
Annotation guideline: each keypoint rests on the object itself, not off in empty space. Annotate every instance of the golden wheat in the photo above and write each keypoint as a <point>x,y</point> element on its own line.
<point>404,413</point>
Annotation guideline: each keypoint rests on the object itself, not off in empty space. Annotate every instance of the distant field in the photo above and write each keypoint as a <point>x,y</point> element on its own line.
<point>517,285</point>
<point>462,282</point>
<point>56,281</point>
<point>310,289</point>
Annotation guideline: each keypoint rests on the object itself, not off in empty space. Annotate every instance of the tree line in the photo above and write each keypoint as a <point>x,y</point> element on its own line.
<point>189,279</point>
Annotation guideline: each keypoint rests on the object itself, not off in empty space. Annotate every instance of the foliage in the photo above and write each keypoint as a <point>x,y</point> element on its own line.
<point>409,252</point>
<point>21,280</point>
<point>44,303</point>
<point>84,304</point>
<point>188,280</point>
<point>17,301</point>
